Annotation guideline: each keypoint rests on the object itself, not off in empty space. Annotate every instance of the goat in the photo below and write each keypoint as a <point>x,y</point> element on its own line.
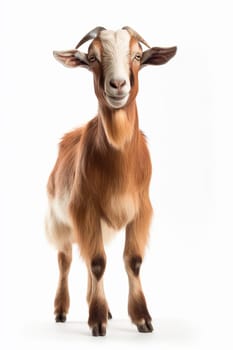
<point>100,181</point>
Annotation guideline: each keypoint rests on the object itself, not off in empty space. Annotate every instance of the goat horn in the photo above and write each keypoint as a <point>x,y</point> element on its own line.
<point>136,35</point>
<point>91,35</point>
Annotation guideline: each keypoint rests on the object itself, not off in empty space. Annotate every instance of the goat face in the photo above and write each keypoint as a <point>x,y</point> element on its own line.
<point>111,53</point>
<point>115,58</point>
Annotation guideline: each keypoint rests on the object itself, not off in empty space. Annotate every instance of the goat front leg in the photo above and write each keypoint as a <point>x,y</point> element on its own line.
<point>89,293</point>
<point>62,299</point>
<point>98,307</point>
<point>136,238</point>
<point>89,238</point>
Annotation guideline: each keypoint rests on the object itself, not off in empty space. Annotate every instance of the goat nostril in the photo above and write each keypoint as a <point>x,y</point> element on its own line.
<point>122,83</point>
<point>112,83</point>
<point>117,84</point>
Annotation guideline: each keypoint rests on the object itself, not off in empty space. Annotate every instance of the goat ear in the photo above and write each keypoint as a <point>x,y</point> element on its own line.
<point>157,55</point>
<point>72,58</point>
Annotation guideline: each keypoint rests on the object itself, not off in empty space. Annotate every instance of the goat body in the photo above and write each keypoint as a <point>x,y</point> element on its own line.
<point>100,182</point>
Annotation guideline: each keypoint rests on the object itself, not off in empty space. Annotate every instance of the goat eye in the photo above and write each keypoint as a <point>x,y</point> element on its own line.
<point>137,57</point>
<point>92,58</point>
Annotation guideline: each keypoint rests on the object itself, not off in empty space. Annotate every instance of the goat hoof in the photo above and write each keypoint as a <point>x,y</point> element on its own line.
<point>60,317</point>
<point>109,315</point>
<point>145,327</point>
<point>99,330</point>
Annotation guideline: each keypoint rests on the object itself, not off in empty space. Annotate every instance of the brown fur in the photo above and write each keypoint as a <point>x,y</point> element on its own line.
<point>105,170</point>
<point>101,181</point>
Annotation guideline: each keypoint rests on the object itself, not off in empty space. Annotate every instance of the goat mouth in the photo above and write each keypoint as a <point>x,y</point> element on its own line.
<point>117,101</point>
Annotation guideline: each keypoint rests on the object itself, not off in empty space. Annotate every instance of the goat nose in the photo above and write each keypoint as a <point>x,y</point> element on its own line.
<point>117,83</point>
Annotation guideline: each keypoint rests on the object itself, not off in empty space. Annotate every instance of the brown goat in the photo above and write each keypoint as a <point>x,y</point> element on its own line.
<point>101,179</point>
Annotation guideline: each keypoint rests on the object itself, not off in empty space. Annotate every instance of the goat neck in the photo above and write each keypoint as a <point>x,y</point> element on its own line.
<point>120,125</point>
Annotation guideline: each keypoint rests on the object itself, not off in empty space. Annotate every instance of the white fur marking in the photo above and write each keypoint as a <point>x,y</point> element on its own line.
<point>57,223</point>
<point>116,64</point>
<point>60,208</point>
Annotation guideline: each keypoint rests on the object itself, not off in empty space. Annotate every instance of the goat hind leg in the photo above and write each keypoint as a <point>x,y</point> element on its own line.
<point>62,299</point>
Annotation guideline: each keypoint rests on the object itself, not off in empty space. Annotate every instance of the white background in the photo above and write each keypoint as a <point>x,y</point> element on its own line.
<point>185,109</point>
